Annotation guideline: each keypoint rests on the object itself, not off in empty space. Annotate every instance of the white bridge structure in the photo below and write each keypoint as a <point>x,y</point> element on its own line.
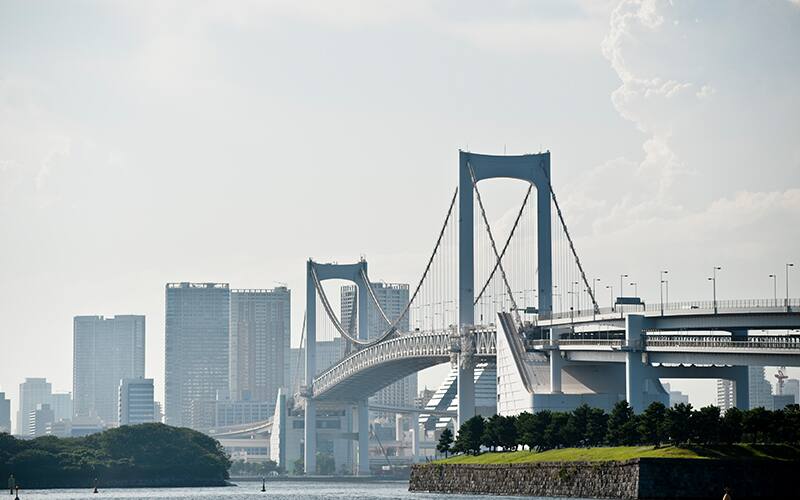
<point>547,357</point>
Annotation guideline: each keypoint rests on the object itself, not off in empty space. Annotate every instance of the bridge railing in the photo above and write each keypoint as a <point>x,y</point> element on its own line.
<point>684,307</point>
<point>698,341</point>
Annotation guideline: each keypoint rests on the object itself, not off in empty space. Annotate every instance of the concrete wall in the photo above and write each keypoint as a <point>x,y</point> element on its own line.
<point>641,478</point>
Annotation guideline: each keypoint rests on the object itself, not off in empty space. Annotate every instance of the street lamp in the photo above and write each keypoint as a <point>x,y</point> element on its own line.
<point>661,289</point>
<point>713,281</point>
<point>774,289</point>
<point>611,296</point>
<point>621,289</point>
<point>788,265</point>
<point>635,286</point>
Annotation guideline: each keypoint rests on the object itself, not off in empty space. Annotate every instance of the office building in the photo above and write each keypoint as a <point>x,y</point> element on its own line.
<point>791,386</point>
<point>760,391</point>
<point>676,397</point>
<point>393,298</point>
<point>158,411</point>
<point>61,403</point>
<point>32,393</point>
<point>205,415</point>
<point>781,401</point>
<point>105,351</point>
<point>197,330</point>
<point>136,404</point>
<point>38,420</point>
<point>259,343</point>
<point>5,413</point>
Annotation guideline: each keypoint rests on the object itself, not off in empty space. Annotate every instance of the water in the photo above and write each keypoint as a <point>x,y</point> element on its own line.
<point>277,490</point>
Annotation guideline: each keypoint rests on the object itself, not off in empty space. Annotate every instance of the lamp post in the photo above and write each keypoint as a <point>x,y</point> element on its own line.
<point>621,288</point>
<point>713,280</point>
<point>788,265</point>
<point>635,286</point>
<point>661,289</point>
<point>611,296</point>
<point>774,289</point>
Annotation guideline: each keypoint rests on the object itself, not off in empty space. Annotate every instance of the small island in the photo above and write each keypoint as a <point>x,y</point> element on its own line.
<point>145,455</point>
<point>673,452</point>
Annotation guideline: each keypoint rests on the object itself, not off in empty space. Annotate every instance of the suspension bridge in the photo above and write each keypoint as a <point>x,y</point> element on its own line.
<point>546,357</point>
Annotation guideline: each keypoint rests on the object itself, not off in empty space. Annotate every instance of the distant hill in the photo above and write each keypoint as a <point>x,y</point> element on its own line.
<point>129,456</point>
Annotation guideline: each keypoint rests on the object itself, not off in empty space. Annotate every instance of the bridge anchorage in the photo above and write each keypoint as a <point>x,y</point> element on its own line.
<point>552,345</point>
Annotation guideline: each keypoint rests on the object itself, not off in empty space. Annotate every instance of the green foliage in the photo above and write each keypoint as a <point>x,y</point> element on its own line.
<point>677,422</point>
<point>652,424</point>
<point>326,465</point>
<point>253,469</point>
<point>469,436</point>
<point>134,454</point>
<point>500,432</point>
<point>445,442</point>
<point>705,425</point>
<point>622,426</point>
<point>299,467</point>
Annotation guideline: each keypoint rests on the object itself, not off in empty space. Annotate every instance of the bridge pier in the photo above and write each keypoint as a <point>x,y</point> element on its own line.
<point>466,375</point>
<point>556,363</point>
<point>414,427</point>
<point>635,369</point>
<point>741,383</point>
<point>363,437</point>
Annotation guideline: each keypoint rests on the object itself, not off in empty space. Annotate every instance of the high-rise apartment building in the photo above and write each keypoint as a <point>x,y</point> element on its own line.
<point>393,298</point>
<point>329,352</point>
<point>259,343</point>
<point>136,404</point>
<point>5,413</point>
<point>32,393</point>
<point>197,346</point>
<point>105,351</point>
<point>61,403</point>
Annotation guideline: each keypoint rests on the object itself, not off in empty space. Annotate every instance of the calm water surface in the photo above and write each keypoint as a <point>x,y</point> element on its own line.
<point>277,490</point>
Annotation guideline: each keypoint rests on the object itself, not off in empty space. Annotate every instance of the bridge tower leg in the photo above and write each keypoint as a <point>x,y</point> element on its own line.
<point>310,428</point>
<point>556,362</point>
<point>533,168</point>
<point>414,426</point>
<point>741,383</point>
<point>363,405</point>
<point>634,367</point>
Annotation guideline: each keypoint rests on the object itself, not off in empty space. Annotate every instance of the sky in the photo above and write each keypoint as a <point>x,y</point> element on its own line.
<point>148,142</point>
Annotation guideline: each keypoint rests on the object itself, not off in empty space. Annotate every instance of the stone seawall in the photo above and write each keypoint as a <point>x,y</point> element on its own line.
<point>639,478</point>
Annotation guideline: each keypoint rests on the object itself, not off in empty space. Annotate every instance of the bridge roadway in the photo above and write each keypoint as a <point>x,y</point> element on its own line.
<point>368,370</point>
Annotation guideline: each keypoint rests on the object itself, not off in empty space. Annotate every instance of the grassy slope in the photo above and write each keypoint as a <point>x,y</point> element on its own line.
<point>740,451</point>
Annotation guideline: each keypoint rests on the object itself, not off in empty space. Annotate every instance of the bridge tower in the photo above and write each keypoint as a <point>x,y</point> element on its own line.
<point>349,272</point>
<point>535,169</point>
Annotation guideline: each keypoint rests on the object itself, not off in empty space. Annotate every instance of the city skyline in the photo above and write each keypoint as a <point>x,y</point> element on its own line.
<point>181,139</point>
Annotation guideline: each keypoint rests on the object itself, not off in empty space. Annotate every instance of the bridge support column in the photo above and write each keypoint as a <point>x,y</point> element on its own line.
<point>634,367</point>
<point>556,362</point>
<point>363,438</point>
<point>310,428</point>
<point>741,383</point>
<point>414,427</point>
<point>466,376</point>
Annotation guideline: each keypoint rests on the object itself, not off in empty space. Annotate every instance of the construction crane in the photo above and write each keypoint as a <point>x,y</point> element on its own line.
<point>781,376</point>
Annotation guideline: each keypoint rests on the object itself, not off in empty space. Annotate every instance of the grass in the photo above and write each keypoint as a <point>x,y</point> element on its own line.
<point>605,454</point>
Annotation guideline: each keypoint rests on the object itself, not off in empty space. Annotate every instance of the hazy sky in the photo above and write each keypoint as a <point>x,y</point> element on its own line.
<point>148,142</point>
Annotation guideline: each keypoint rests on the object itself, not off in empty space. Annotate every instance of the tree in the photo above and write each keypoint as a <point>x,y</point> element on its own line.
<point>677,422</point>
<point>622,426</point>
<point>508,433</point>
<point>500,431</point>
<point>754,425</point>
<point>792,434</point>
<point>469,435</point>
<point>596,426</point>
<point>299,467</point>
<point>326,465</point>
<point>491,432</point>
<point>705,425</point>
<point>527,432</point>
<point>651,423</point>
<point>445,442</point>
<point>731,426</point>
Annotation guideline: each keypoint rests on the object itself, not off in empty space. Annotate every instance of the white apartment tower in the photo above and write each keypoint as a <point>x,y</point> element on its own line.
<point>259,343</point>
<point>197,330</point>
<point>105,351</point>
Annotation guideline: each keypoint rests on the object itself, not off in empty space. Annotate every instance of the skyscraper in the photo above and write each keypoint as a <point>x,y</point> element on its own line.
<point>5,413</point>
<point>105,351</point>
<point>196,335</point>
<point>32,392</point>
<point>759,388</point>
<point>393,298</point>
<point>259,343</point>
<point>136,405</point>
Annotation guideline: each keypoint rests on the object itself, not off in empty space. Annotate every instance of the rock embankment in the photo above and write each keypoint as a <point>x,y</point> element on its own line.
<point>638,478</point>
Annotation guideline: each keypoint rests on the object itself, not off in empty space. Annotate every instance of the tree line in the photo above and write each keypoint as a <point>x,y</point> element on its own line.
<point>135,455</point>
<point>590,427</point>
